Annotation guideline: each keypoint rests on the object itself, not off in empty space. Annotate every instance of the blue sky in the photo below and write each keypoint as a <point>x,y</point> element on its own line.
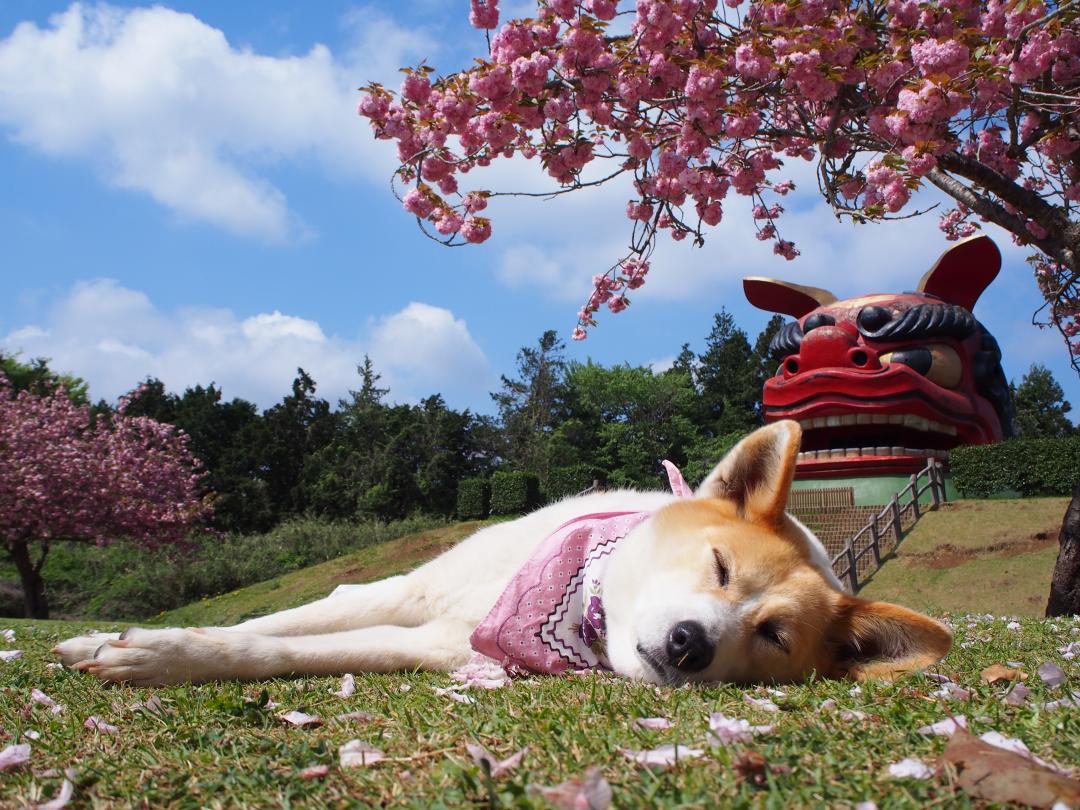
<point>188,193</point>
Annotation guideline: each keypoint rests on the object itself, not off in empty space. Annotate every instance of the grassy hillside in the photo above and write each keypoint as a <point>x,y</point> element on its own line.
<point>982,556</point>
<point>298,587</point>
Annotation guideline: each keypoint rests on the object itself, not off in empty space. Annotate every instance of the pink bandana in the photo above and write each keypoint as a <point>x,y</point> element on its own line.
<point>550,617</point>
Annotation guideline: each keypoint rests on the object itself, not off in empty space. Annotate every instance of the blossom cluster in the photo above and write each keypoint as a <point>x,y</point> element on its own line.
<point>698,100</point>
<point>66,476</point>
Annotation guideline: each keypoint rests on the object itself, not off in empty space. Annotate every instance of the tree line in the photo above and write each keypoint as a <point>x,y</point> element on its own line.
<point>368,458</point>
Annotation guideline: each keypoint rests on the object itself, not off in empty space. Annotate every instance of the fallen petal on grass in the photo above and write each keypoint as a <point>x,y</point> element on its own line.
<point>348,686</point>
<point>996,774</point>
<point>725,730</point>
<point>314,771</point>
<point>852,714</point>
<point>14,756</point>
<point>910,769</point>
<point>666,756</point>
<point>359,754</point>
<point>95,723</point>
<point>946,727</point>
<point>482,673</point>
<point>1052,675</point>
<point>1017,696</point>
<point>67,790</point>
<point>752,767</point>
<point>453,695</point>
<point>950,691</point>
<point>358,717</point>
<point>764,704</point>
<point>152,705</point>
<point>654,723</point>
<point>295,718</point>
<point>30,734</point>
<point>38,696</point>
<point>497,767</point>
<point>1017,746</point>
<point>590,791</point>
<point>10,655</point>
<point>9,635</point>
<point>999,672</point>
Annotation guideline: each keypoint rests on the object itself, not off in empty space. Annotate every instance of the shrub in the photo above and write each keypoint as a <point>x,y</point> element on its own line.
<point>513,493</point>
<point>121,581</point>
<point>562,482</point>
<point>1027,466</point>
<point>473,498</point>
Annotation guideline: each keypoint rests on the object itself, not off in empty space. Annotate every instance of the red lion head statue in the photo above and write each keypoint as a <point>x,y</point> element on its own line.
<point>882,382</point>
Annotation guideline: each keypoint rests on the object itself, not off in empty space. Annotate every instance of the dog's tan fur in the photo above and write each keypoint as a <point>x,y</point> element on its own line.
<point>779,615</point>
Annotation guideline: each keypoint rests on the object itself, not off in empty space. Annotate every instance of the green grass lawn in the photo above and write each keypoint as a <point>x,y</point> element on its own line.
<point>984,556</point>
<point>216,745</point>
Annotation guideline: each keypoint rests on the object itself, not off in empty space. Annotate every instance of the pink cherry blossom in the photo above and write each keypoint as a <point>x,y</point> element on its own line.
<point>700,100</point>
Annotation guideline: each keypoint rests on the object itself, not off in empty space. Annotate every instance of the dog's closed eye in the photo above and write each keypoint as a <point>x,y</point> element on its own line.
<point>772,633</point>
<point>722,573</point>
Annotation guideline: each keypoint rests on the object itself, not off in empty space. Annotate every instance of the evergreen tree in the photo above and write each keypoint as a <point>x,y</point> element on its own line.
<point>727,375</point>
<point>299,426</point>
<point>766,365</point>
<point>528,405</point>
<point>1040,404</point>
<point>685,363</point>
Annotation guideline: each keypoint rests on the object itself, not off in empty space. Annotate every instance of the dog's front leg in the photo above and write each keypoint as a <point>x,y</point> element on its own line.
<point>391,601</point>
<point>158,657</point>
<point>386,601</point>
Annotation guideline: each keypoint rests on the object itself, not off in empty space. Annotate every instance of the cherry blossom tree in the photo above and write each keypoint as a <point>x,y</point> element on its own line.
<point>66,477</point>
<point>696,101</point>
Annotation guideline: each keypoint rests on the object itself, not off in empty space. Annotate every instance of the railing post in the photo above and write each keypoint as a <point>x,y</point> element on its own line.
<point>915,496</point>
<point>897,528</point>
<point>875,543</point>
<point>934,493</point>
<point>853,575</point>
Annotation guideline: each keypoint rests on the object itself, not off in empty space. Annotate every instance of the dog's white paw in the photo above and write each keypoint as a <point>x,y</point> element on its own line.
<point>155,657</point>
<point>80,648</point>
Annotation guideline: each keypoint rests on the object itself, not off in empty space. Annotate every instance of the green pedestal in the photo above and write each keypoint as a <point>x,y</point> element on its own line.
<point>871,490</point>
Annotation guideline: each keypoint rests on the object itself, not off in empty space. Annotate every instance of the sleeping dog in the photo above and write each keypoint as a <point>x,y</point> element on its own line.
<point>719,584</point>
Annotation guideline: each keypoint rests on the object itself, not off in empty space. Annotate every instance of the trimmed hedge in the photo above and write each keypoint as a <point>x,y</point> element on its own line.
<point>513,493</point>
<point>473,498</point>
<point>562,482</point>
<point>1027,466</point>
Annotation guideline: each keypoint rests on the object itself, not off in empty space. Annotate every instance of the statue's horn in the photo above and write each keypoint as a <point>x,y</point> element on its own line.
<point>962,272</point>
<point>784,297</point>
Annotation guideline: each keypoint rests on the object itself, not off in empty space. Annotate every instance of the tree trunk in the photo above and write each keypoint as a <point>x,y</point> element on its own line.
<point>34,599</point>
<point>1065,586</point>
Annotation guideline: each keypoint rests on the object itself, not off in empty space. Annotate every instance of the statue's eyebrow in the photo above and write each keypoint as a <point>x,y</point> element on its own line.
<point>925,320</point>
<point>786,341</point>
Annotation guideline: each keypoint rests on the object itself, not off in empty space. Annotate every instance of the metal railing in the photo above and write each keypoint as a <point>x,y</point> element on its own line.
<point>862,554</point>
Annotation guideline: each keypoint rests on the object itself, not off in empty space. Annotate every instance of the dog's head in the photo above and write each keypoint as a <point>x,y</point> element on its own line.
<point>725,586</point>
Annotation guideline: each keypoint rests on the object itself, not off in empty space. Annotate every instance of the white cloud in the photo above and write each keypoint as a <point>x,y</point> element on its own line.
<point>114,337</point>
<point>159,102</point>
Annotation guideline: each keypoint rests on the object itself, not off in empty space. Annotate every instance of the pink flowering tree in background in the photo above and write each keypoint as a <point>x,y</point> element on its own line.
<point>65,477</point>
<point>696,101</point>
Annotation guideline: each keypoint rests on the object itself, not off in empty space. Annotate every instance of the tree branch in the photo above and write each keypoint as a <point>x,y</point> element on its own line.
<point>1017,196</point>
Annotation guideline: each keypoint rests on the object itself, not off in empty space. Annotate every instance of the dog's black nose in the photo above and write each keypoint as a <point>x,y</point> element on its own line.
<point>688,647</point>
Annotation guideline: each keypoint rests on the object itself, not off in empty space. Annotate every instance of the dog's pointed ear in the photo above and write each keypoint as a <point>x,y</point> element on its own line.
<point>756,475</point>
<point>870,639</point>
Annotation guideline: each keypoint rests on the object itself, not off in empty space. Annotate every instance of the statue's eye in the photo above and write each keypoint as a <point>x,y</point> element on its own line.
<point>937,362</point>
<point>872,319</point>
